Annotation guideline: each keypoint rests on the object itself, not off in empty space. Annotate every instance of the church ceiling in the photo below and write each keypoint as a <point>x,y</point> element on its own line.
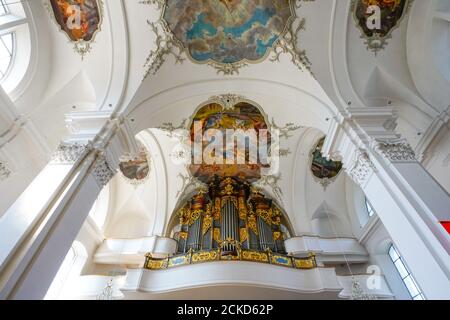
<point>377,19</point>
<point>227,34</point>
<point>80,20</point>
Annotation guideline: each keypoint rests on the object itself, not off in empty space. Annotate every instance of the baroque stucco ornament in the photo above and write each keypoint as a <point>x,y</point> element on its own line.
<point>395,151</point>
<point>362,169</point>
<point>197,45</point>
<point>69,153</point>
<point>102,171</point>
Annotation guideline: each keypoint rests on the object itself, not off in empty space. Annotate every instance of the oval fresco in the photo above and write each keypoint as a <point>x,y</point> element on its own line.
<point>391,14</point>
<point>136,169</point>
<point>228,31</point>
<point>79,19</point>
<point>321,167</point>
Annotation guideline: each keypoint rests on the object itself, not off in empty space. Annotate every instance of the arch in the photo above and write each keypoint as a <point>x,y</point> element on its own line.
<point>173,220</point>
<point>142,113</point>
<point>130,225</point>
<point>326,222</point>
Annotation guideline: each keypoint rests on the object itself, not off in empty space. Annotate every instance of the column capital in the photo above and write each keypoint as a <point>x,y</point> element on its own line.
<point>70,152</point>
<point>362,169</point>
<point>394,150</point>
<point>102,171</point>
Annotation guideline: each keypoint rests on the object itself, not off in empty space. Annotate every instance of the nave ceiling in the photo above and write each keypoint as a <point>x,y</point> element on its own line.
<point>308,61</point>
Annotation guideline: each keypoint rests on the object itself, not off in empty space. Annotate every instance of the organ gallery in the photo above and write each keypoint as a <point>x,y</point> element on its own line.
<point>230,220</point>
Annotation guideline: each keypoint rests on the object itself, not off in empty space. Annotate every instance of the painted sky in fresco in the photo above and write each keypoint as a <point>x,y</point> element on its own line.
<point>227,31</point>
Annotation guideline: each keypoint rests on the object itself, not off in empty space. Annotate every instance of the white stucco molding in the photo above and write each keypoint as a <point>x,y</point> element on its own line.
<point>238,273</point>
<point>132,251</point>
<point>375,285</point>
<point>327,250</point>
<point>363,168</point>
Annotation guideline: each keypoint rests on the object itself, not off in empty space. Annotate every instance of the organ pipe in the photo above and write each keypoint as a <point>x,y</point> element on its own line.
<point>230,215</point>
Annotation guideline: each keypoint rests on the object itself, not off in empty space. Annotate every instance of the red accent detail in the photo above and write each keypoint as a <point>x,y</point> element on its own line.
<point>446,225</point>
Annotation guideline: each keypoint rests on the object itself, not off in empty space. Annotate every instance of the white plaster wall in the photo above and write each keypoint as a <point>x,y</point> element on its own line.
<point>437,160</point>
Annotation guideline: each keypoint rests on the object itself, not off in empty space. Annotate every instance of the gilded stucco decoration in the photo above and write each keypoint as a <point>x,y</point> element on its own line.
<point>227,34</point>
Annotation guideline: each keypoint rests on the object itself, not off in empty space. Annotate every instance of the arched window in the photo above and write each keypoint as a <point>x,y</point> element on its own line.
<point>14,43</point>
<point>405,274</point>
<point>6,53</point>
<point>370,211</point>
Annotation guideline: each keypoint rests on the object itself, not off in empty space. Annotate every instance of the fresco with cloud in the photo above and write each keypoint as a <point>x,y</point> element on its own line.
<point>227,31</point>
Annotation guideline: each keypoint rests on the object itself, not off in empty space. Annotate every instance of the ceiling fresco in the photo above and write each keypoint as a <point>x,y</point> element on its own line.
<point>323,169</point>
<point>80,20</point>
<point>227,31</point>
<point>227,34</point>
<point>136,170</point>
<point>242,116</point>
<point>391,14</point>
<point>224,112</point>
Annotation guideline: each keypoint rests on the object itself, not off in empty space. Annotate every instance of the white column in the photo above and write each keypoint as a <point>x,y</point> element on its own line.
<point>43,223</point>
<point>407,199</point>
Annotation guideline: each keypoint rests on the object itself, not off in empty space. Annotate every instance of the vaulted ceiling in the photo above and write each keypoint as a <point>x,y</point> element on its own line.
<point>313,63</point>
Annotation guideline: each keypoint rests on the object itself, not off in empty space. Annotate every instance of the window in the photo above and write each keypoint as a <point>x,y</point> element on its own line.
<point>370,210</point>
<point>6,53</point>
<point>13,33</point>
<point>405,274</point>
<point>3,8</point>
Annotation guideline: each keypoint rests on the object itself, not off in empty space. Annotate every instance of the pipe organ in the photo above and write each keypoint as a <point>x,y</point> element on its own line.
<point>230,216</point>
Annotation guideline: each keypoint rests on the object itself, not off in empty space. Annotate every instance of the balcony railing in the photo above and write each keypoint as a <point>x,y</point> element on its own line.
<point>195,257</point>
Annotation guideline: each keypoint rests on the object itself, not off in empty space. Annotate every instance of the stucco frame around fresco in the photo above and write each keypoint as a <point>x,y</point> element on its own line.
<point>82,46</point>
<point>168,44</point>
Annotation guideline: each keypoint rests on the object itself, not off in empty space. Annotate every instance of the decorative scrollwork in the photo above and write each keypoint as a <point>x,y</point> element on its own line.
<point>228,101</point>
<point>396,150</point>
<point>69,153</point>
<point>102,171</point>
<point>363,168</point>
<point>285,132</point>
<point>287,44</point>
<point>272,182</point>
<point>166,44</point>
